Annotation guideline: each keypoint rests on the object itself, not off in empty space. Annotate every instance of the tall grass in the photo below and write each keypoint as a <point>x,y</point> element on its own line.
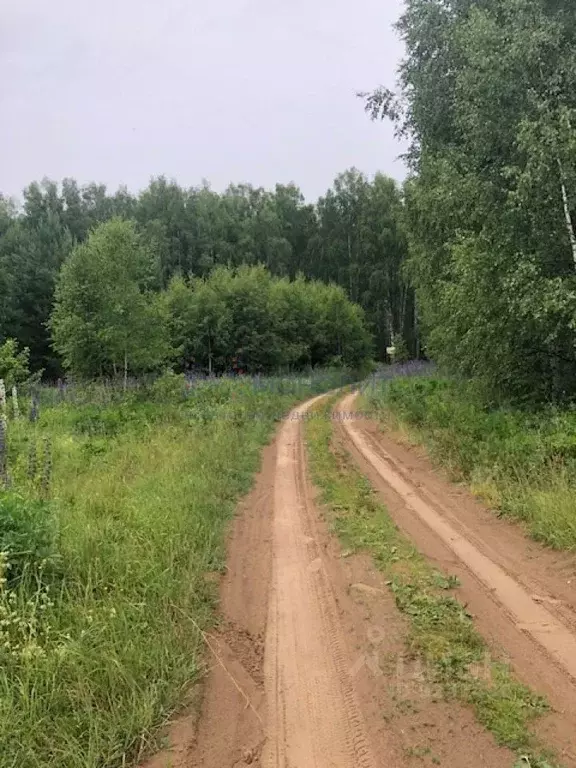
<point>103,584</point>
<point>521,463</point>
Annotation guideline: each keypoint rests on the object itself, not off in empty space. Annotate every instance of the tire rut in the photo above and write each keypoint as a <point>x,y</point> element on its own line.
<point>313,717</point>
<point>528,615</point>
<point>564,609</point>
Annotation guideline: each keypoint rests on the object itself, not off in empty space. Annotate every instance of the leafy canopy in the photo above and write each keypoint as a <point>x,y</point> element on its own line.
<point>107,317</point>
<point>487,98</point>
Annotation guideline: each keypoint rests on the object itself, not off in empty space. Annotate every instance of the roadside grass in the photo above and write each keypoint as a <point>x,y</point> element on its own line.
<point>522,464</point>
<point>116,514</point>
<point>442,633</point>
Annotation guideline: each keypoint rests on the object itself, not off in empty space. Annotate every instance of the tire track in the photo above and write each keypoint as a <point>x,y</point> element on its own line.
<point>313,718</point>
<point>529,616</point>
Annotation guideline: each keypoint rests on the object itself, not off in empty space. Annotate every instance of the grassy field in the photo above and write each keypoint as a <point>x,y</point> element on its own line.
<point>523,464</point>
<point>116,513</point>
<point>441,631</point>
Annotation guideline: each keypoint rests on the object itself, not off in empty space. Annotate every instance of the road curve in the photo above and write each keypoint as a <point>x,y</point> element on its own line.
<point>308,665</point>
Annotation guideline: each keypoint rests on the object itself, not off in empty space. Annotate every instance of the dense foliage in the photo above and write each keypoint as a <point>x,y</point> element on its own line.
<point>107,315</point>
<point>14,368</point>
<point>352,237</point>
<point>488,99</point>
<point>361,245</point>
<point>249,320</point>
<point>111,316</point>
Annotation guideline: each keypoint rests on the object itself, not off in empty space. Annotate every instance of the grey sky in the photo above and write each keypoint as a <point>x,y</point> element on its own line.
<point>234,90</point>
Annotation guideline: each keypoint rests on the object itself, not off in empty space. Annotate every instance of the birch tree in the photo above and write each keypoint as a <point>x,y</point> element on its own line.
<point>108,319</point>
<point>487,98</point>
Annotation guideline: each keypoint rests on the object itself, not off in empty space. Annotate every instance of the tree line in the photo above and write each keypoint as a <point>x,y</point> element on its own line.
<point>113,317</point>
<point>353,238</point>
<point>487,99</point>
<point>475,257</point>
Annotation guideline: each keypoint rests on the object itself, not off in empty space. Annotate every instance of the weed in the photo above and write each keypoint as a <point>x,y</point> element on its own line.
<point>419,752</point>
<point>521,463</point>
<point>406,707</point>
<point>27,536</point>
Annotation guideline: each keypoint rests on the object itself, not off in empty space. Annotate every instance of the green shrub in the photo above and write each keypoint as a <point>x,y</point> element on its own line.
<point>14,368</point>
<point>169,388</point>
<point>27,536</point>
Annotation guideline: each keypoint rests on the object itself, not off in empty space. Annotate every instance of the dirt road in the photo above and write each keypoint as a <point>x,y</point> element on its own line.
<point>313,716</point>
<point>522,596</point>
<point>291,702</point>
<point>309,667</point>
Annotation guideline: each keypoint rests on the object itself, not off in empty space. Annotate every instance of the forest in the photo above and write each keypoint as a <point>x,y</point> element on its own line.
<point>471,262</point>
<point>209,280</point>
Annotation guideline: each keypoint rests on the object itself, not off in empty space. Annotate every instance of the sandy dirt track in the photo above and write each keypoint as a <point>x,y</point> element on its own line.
<point>314,719</point>
<point>308,668</point>
<point>521,595</point>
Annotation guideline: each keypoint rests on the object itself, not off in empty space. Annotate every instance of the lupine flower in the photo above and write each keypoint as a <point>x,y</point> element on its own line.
<point>32,461</point>
<point>35,408</point>
<point>3,452</point>
<point>2,398</point>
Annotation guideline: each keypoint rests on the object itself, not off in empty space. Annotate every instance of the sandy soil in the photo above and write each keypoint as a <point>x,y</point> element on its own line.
<point>309,667</point>
<point>522,595</point>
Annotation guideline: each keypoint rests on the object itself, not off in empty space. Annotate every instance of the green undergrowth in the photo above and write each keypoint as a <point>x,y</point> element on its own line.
<point>441,632</point>
<point>115,515</point>
<point>523,464</point>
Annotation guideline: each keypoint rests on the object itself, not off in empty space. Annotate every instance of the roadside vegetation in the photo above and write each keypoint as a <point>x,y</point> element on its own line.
<point>486,98</point>
<point>114,500</point>
<point>442,633</point>
<point>112,519</point>
<point>521,463</point>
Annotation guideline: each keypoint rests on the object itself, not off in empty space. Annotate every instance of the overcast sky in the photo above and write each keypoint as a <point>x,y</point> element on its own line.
<point>230,90</point>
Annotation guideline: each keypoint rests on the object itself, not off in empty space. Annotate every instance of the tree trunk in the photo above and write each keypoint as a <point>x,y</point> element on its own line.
<point>417,331</point>
<point>390,319</point>
<point>567,215</point>
<point>402,323</point>
<point>125,370</point>
<point>209,357</point>
<point>350,267</point>
<point>564,191</point>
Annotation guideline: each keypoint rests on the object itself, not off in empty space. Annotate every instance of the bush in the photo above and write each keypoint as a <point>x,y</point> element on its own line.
<point>14,368</point>
<point>169,388</point>
<point>249,321</point>
<point>27,536</point>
